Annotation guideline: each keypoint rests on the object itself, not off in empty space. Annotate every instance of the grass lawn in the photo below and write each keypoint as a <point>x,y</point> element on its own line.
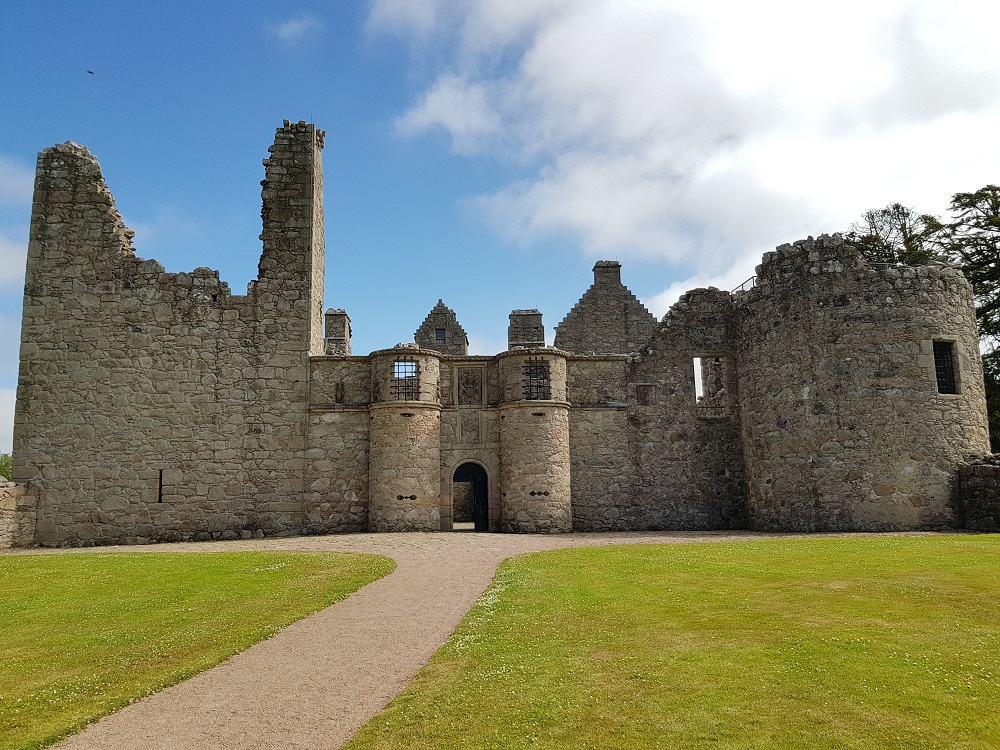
<point>82,635</point>
<point>819,643</point>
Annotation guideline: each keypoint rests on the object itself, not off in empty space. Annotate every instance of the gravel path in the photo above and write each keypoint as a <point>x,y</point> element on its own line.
<point>315,683</point>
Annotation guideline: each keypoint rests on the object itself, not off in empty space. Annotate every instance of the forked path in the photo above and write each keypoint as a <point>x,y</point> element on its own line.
<point>315,683</point>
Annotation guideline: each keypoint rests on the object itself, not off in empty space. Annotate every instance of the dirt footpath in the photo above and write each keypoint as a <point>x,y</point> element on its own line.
<point>315,683</point>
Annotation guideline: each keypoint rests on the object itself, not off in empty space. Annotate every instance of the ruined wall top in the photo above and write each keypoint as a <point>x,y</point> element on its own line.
<point>608,318</point>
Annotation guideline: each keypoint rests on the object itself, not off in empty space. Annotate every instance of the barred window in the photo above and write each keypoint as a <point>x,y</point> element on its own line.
<point>439,335</point>
<point>405,380</point>
<point>944,366</point>
<point>536,380</point>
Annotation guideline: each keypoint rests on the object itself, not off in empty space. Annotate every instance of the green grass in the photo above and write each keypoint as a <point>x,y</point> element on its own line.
<point>820,643</point>
<point>82,635</point>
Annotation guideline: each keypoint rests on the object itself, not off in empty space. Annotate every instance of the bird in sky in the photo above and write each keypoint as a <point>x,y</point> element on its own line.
<point>91,72</point>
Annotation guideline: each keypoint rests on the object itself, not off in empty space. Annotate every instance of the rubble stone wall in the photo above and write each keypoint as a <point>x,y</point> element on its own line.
<point>17,515</point>
<point>159,406</point>
<point>843,426</point>
<point>659,460</point>
<point>978,491</point>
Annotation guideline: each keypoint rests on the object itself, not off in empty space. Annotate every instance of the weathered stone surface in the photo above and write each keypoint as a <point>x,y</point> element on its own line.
<point>159,406</point>
<point>608,319</point>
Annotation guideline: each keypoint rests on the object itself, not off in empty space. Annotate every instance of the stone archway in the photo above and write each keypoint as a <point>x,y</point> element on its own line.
<point>474,476</point>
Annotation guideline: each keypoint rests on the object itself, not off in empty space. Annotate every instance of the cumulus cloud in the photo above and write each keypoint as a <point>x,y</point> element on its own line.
<point>706,133</point>
<point>16,183</point>
<point>295,30</point>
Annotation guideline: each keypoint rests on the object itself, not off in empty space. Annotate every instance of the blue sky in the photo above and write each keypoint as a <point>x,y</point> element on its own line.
<point>489,152</point>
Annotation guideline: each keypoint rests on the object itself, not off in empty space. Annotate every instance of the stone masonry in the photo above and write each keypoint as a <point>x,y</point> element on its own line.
<point>831,394</point>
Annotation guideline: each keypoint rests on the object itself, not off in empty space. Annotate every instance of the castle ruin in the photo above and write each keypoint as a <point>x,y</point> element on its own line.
<point>826,394</point>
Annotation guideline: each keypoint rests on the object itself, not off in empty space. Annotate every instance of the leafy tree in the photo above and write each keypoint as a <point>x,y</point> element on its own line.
<point>5,465</point>
<point>896,234</point>
<point>972,239</point>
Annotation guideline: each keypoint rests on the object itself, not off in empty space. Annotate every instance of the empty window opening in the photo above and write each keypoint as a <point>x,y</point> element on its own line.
<point>710,377</point>
<point>159,492</point>
<point>944,366</point>
<point>405,380</point>
<point>536,380</point>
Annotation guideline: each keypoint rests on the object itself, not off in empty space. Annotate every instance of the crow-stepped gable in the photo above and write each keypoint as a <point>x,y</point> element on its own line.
<point>826,394</point>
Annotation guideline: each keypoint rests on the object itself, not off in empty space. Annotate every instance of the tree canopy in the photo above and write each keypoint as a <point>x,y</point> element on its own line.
<point>971,240</point>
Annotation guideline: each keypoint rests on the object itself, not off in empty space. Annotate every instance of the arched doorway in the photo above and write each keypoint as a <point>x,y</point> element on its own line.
<point>473,476</point>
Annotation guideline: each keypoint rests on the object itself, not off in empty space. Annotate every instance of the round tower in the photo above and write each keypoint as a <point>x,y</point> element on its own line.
<point>860,390</point>
<point>534,442</point>
<point>404,483</point>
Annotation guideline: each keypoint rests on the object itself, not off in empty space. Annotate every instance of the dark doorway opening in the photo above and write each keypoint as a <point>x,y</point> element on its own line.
<point>473,477</point>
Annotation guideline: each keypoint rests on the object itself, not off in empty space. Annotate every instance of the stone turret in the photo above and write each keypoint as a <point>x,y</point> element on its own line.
<point>860,390</point>
<point>405,455</point>
<point>534,443</point>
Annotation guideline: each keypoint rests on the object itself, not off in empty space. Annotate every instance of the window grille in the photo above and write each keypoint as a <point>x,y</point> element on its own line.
<point>944,366</point>
<point>405,380</point>
<point>439,335</point>
<point>536,380</point>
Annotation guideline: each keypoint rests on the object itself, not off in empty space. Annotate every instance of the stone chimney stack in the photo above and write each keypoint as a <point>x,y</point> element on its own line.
<point>525,330</point>
<point>338,332</point>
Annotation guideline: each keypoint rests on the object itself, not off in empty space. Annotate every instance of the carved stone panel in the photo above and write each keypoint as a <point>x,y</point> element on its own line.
<point>470,430</point>
<point>470,386</point>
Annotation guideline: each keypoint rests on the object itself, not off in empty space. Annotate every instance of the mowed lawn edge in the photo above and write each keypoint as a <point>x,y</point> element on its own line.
<point>875,642</point>
<point>83,635</point>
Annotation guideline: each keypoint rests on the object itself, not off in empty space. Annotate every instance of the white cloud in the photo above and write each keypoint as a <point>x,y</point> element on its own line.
<point>13,253</point>
<point>405,17</point>
<point>17,182</point>
<point>293,31</point>
<point>7,399</point>
<point>707,133</point>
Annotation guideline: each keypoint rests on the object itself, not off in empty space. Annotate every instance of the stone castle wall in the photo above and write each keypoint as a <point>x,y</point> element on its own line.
<point>843,425</point>
<point>17,515</point>
<point>159,406</point>
<point>651,457</point>
<point>155,405</point>
<point>978,492</point>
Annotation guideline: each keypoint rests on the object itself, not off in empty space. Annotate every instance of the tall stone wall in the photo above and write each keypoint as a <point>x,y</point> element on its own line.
<point>336,481</point>
<point>155,405</point>
<point>659,458</point>
<point>842,423</point>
